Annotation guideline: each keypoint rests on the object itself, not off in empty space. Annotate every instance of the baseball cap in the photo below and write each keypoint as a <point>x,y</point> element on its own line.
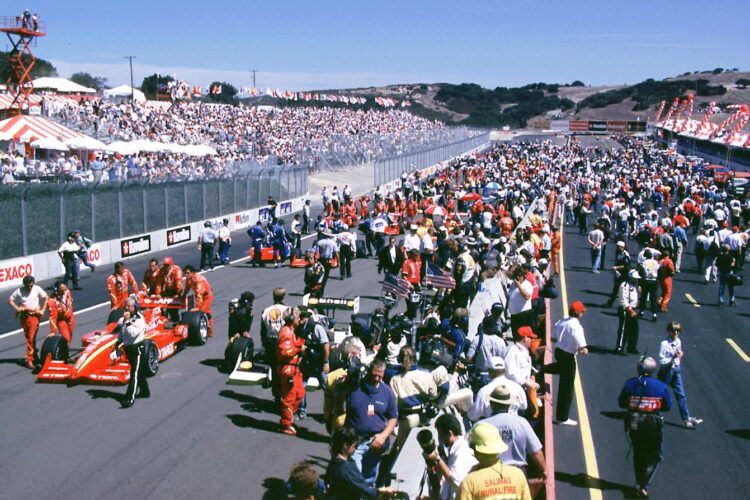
<point>577,307</point>
<point>413,227</point>
<point>501,394</point>
<point>167,261</point>
<point>525,331</point>
<point>497,363</point>
<point>621,244</point>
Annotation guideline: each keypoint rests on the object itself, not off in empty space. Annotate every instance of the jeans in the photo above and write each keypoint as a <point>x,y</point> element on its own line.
<point>724,283</point>
<point>672,376</point>
<point>224,251</point>
<point>596,258</point>
<point>367,462</point>
<point>322,378</point>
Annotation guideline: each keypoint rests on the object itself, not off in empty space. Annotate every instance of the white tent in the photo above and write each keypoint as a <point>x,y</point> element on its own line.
<point>61,85</point>
<point>124,91</point>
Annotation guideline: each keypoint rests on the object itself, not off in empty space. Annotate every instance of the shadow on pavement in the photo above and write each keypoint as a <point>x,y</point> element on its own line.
<point>615,415</point>
<point>14,361</point>
<point>582,480</point>
<point>214,363</point>
<point>275,488</point>
<point>595,349</point>
<point>596,292</point>
<point>247,421</point>
<point>104,394</point>
<point>251,403</point>
<point>740,433</point>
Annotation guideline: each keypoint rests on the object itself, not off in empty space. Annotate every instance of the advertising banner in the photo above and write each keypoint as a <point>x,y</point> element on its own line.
<point>13,271</point>
<point>178,235</point>
<point>131,247</point>
<point>579,126</point>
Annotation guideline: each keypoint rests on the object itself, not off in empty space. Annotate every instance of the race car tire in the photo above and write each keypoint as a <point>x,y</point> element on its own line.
<point>242,348</point>
<point>115,315</point>
<point>56,346</point>
<point>151,358</point>
<point>197,323</point>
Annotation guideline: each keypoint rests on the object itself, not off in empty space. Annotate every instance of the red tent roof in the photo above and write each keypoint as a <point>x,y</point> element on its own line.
<point>24,128</point>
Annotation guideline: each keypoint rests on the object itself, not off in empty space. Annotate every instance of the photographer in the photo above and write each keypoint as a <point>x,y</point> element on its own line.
<point>343,478</point>
<point>315,362</point>
<point>486,345</point>
<point>454,460</point>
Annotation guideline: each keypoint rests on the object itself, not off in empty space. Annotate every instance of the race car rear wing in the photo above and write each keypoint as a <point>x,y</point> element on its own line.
<point>332,304</point>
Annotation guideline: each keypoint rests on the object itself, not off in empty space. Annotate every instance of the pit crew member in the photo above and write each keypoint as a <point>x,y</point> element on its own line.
<point>151,277</point>
<point>119,284</point>
<point>270,325</point>
<point>204,295</point>
<point>290,350</point>
<point>30,303</point>
<point>61,318</point>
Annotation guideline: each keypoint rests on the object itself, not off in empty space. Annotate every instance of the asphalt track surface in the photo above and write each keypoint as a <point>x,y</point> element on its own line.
<point>710,461</point>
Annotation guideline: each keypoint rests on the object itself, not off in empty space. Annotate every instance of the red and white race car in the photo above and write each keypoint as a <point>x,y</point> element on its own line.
<point>94,364</point>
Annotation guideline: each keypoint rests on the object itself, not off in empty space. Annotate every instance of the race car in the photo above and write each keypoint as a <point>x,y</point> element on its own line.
<point>96,364</point>
<point>266,253</point>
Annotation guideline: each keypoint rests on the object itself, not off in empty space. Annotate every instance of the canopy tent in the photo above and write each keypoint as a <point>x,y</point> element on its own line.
<point>125,91</point>
<point>24,128</point>
<point>61,85</point>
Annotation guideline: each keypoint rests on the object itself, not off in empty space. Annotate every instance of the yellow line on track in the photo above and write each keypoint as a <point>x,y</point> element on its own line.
<point>589,454</point>
<point>692,300</point>
<point>739,350</point>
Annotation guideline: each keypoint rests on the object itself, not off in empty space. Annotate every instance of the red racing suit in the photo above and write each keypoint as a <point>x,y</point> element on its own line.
<point>290,375</point>
<point>150,281</point>
<point>118,286</point>
<point>169,283</point>
<point>61,317</point>
<point>204,296</point>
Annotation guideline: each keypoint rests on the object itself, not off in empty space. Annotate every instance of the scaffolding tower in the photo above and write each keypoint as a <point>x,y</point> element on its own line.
<point>22,31</point>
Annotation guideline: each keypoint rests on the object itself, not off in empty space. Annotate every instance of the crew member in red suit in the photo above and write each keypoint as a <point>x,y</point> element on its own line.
<point>204,296</point>
<point>291,349</point>
<point>411,270</point>
<point>411,209</point>
<point>119,285</point>
<point>364,202</point>
<point>30,303</point>
<point>61,317</point>
<point>664,275</point>
<point>555,252</point>
<point>169,284</point>
<point>151,277</point>
<point>506,225</point>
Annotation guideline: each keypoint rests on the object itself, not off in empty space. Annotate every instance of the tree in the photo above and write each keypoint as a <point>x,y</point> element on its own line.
<point>41,68</point>
<point>743,83</point>
<point>152,83</point>
<point>718,71</point>
<point>577,83</point>
<point>227,94</point>
<point>85,79</point>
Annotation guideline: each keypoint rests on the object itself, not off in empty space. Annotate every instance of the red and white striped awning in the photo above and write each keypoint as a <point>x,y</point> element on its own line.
<point>24,128</point>
<point>35,100</point>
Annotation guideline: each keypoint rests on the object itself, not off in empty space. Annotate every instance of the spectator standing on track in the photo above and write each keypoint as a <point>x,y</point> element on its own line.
<point>454,460</point>
<point>486,345</point>
<point>596,242</point>
<point>30,303</point>
<point>206,242</point>
<point>519,301</point>
<point>290,351</point>
<point>518,360</point>
<point>306,217</point>
<point>670,371</point>
<point>372,411</point>
<point>120,285</point>
<point>491,478</point>
<point>725,264</point>
<point>68,253</point>
<point>481,406</point>
<point>296,232</point>
<point>225,242</point>
<point>84,243</point>
<point>568,333</point>
<point>645,398</point>
<point>315,362</point>
<point>327,251</point>
<point>516,432</point>
<point>61,318</point>
<point>390,258</point>
<point>347,249</point>
<point>344,480</point>
<point>680,242</point>
<point>649,270</point>
<point>620,269</point>
<point>627,304</point>
<point>131,333</point>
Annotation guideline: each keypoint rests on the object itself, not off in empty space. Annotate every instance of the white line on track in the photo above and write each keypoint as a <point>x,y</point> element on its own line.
<point>97,306</point>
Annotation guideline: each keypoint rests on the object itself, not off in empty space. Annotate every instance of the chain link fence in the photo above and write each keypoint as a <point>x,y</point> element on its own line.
<point>47,212</point>
<point>390,169</point>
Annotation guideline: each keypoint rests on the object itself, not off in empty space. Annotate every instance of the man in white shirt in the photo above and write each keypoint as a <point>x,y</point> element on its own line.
<point>29,303</point>
<point>412,240</point>
<point>481,407</point>
<point>68,253</point>
<point>596,240</point>
<point>519,301</point>
<point>459,460</point>
<point>225,241</point>
<point>518,360</point>
<point>568,333</point>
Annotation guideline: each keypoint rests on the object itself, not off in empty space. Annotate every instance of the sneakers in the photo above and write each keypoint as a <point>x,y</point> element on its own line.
<point>654,317</point>
<point>692,423</point>
<point>570,422</point>
<point>290,431</point>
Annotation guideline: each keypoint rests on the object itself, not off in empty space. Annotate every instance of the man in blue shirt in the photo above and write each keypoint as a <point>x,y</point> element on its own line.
<point>680,242</point>
<point>279,242</point>
<point>372,411</point>
<point>257,234</point>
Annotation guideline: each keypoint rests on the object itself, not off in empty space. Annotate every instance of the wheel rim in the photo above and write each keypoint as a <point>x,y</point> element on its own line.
<point>203,329</point>
<point>153,358</point>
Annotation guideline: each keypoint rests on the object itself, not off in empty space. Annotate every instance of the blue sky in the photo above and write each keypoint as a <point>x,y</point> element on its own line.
<point>303,45</point>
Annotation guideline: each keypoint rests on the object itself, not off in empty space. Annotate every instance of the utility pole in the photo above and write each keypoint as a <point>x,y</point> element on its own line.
<point>132,89</point>
<point>253,71</point>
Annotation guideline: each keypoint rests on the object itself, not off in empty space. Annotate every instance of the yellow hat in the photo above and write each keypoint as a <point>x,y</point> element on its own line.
<point>485,438</point>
